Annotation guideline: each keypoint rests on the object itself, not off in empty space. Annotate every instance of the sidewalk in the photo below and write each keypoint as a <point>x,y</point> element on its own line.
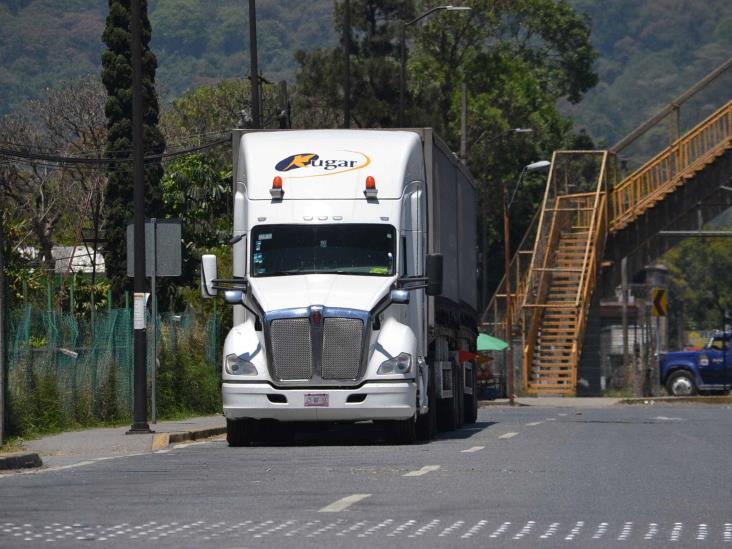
<point>92,444</point>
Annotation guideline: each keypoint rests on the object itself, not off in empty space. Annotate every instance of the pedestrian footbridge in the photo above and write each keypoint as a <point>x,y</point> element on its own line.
<point>591,218</point>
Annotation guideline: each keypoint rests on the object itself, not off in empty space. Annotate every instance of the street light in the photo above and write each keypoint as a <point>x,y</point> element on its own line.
<point>403,51</point>
<point>533,167</point>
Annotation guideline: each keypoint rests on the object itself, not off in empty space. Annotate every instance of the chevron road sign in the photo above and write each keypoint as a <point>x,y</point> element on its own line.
<point>660,302</point>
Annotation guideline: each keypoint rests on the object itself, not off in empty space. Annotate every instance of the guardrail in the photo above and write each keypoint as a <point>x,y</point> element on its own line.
<point>667,170</point>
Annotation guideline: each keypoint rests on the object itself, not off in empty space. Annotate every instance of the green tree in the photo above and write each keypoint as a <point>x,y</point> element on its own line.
<point>374,67</point>
<point>700,278</point>
<point>117,78</point>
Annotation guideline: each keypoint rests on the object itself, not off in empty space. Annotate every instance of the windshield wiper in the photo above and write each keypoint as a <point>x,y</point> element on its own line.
<point>284,273</point>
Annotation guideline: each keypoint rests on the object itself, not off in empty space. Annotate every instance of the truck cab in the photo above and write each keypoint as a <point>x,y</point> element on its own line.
<point>333,269</point>
<point>685,373</point>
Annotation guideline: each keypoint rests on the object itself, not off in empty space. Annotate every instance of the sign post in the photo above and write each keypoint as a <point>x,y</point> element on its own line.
<point>659,309</point>
<point>163,251</point>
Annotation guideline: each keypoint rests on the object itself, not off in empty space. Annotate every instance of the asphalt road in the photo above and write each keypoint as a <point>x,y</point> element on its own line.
<point>625,476</point>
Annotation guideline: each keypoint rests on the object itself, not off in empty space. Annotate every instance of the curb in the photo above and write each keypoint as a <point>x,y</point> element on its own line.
<point>163,440</point>
<point>20,461</point>
<point>679,400</point>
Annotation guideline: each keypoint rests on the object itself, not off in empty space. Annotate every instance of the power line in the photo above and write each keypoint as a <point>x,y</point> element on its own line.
<point>30,155</point>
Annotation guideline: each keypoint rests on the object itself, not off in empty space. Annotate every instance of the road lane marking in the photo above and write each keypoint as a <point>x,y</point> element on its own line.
<point>475,529</point>
<point>553,527</point>
<point>727,532</point>
<point>423,471</point>
<point>508,435</point>
<point>500,530</point>
<point>427,527</point>
<point>652,531</point>
<point>601,530</point>
<point>664,418</point>
<point>702,532</point>
<point>400,529</point>
<point>534,423</point>
<point>575,531</point>
<point>449,530</point>
<point>525,530</point>
<point>676,532</point>
<point>627,529</point>
<point>473,449</point>
<point>343,503</point>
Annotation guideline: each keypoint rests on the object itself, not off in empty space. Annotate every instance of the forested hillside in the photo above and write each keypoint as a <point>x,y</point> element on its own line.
<point>650,50</point>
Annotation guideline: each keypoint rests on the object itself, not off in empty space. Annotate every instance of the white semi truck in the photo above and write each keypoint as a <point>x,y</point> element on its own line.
<point>354,283</point>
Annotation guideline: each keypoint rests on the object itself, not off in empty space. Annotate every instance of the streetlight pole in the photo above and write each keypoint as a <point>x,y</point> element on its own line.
<point>534,166</point>
<point>253,65</point>
<point>403,52</point>
<point>347,64</point>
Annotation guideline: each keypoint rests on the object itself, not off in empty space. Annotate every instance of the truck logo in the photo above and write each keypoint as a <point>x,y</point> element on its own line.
<point>315,165</point>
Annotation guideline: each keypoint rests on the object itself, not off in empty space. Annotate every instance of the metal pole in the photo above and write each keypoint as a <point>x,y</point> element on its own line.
<point>402,71</point>
<point>3,296</point>
<point>139,424</point>
<point>624,290</point>
<point>507,278</point>
<point>347,64</point>
<point>154,280</point>
<point>253,68</point>
<point>464,123</point>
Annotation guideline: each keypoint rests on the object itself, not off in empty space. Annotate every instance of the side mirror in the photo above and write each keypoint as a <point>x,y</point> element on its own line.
<point>234,297</point>
<point>399,296</point>
<point>434,274</point>
<point>208,275</point>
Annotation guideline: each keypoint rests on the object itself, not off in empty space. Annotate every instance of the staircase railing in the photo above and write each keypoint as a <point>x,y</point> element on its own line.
<point>494,316</point>
<point>667,170</point>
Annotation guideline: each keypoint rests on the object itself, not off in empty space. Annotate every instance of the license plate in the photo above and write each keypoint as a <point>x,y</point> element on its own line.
<point>316,399</point>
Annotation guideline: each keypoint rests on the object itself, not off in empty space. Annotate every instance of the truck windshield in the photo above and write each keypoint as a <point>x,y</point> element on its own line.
<point>353,249</point>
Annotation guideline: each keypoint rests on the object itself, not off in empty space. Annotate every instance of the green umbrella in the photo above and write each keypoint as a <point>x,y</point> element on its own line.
<point>490,343</point>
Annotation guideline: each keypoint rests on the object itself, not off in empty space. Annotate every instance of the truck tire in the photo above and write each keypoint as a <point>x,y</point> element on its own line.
<point>403,431</point>
<point>681,383</point>
<point>241,432</point>
<point>427,423</point>
<point>471,401</point>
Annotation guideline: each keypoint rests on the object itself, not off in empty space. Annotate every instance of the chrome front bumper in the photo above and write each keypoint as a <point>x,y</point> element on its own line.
<point>381,401</point>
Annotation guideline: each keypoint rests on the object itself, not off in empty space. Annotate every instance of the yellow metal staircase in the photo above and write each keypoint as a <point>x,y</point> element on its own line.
<point>552,282</point>
<point>561,278</point>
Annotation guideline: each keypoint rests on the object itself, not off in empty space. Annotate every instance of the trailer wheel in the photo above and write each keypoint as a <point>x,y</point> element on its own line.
<point>241,432</point>
<point>427,423</point>
<point>471,401</point>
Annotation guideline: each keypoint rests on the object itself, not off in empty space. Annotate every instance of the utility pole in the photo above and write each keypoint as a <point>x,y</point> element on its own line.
<point>347,64</point>
<point>509,320</point>
<point>139,420</point>
<point>464,123</point>
<point>2,328</point>
<point>253,67</point>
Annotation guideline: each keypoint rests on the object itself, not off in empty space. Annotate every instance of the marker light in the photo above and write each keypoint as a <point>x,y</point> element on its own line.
<point>276,190</point>
<point>370,190</point>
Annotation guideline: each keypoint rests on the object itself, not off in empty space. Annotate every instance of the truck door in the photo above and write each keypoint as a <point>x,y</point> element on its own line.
<point>715,373</point>
<point>413,237</point>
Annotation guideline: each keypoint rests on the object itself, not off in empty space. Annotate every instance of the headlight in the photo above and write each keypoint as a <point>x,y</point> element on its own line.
<point>237,366</point>
<point>401,364</point>
<point>703,360</point>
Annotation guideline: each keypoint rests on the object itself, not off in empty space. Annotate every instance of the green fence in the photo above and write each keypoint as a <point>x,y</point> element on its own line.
<point>61,364</point>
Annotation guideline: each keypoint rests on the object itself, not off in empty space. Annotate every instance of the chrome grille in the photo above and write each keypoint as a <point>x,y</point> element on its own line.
<point>342,344</point>
<point>292,356</point>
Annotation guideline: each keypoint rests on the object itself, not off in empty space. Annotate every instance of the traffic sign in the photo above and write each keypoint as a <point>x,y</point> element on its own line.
<point>660,302</point>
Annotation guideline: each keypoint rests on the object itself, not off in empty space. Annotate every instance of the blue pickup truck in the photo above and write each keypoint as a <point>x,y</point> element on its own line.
<point>685,373</point>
